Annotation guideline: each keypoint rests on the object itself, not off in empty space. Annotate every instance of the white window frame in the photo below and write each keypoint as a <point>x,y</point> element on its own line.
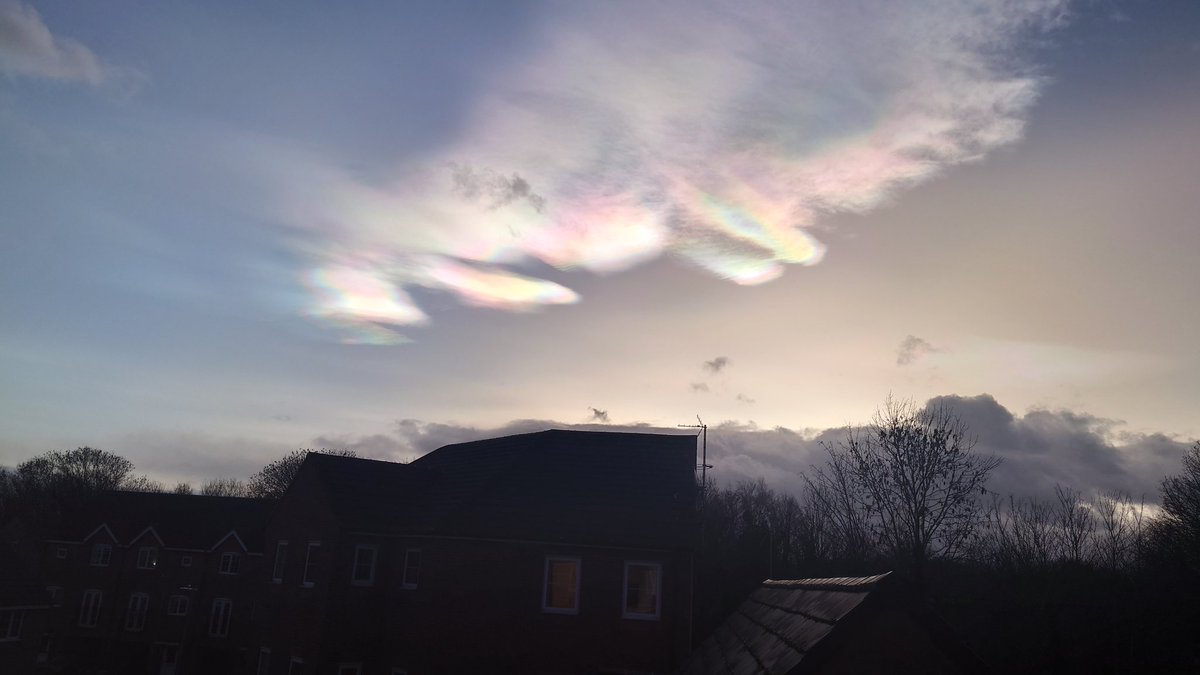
<point>310,565</point>
<point>147,558</point>
<point>61,553</point>
<point>101,555</point>
<point>178,605</point>
<point>370,580</point>
<point>231,563</point>
<point>264,662</point>
<point>408,583</point>
<point>89,607</point>
<point>135,612</point>
<point>658,591</point>
<point>279,568</point>
<point>10,627</point>
<point>220,617</point>
<point>546,584</point>
<point>185,561</point>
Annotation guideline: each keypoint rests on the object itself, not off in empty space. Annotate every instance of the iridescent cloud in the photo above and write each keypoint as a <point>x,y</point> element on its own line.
<point>721,133</point>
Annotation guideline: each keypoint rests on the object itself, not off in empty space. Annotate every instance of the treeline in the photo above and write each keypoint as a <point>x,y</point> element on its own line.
<point>1067,582</point>
<point>42,487</point>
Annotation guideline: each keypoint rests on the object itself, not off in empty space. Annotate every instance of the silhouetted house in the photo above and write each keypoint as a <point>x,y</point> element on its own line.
<point>154,583</point>
<point>839,625</point>
<point>24,614</point>
<point>558,551</point>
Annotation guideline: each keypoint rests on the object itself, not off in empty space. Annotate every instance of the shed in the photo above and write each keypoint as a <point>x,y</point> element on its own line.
<point>873,624</point>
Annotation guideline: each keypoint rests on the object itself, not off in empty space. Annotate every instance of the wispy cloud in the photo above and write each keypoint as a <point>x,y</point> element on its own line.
<point>29,49</point>
<point>911,349</point>
<point>722,133</point>
<point>699,387</point>
<point>716,365</point>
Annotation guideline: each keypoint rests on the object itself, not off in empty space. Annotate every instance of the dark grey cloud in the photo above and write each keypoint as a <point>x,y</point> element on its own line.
<point>911,349</point>
<point>598,415</point>
<point>493,189</point>
<point>716,365</point>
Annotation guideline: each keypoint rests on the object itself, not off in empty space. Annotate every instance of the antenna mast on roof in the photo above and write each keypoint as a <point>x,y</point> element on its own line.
<point>704,466</point>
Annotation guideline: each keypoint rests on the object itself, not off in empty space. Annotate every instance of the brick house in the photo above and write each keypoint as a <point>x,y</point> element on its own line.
<point>551,552</point>
<point>558,551</point>
<point>153,583</point>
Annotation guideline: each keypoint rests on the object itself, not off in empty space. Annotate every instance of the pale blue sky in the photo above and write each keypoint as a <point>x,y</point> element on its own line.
<point>229,230</point>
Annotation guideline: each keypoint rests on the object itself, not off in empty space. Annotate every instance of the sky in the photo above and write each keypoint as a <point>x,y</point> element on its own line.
<point>227,231</point>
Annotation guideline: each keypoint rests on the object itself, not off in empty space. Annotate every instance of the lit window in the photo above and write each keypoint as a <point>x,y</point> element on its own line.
<point>218,621</point>
<point>101,555</point>
<point>61,553</point>
<point>280,562</point>
<point>264,662</point>
<point>178,605</point>
<point>147,558</point>
<point>185,561</point>
<point>310,563</point>
<point>364,565</point>
<point>89,609</point>
<point>230,563</point>
<point>135,618</point>
<point>642,597</point>
<point>561,592</point>
<point>10,624</point>
<point>412,567</point>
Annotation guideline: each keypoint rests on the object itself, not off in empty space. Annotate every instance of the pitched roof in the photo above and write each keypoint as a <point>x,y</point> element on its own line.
<point>794,626</point>
<point>179,521</point>
<point>559,486</point>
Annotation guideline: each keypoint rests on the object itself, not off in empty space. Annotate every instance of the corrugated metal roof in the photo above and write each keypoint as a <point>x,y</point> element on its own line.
<point>779,624</point>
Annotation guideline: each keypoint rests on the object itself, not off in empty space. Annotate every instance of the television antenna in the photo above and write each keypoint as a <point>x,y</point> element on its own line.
<point>704,466</point>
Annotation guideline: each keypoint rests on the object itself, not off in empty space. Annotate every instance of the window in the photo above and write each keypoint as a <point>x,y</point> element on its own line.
<point>280,562</point>
<point>230,562</point>
<point>642,597</point>
<point>561,592</point>
<point>61,553</point>
<point>264,662</point>
<point>364,565</point>
<point>89,609</point>
<point>178,605</point>
<point>101,555</point>
<point>310,563</point>
<point>135,617</point>
<point>218,621</point>
<point>55,593</point>
<point>412,567</point>
<point>185,561</point>
<point>10,624</point>
<point>45,644</point>
<point>147,558</point>
<point>296,666</point>
<point>350,669</point>
<point>170,658</point>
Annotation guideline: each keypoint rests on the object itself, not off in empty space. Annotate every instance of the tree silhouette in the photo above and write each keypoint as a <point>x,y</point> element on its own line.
<point>273,480</point>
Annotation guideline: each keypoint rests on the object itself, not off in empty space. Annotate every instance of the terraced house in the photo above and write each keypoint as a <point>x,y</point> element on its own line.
<point>558,551</point>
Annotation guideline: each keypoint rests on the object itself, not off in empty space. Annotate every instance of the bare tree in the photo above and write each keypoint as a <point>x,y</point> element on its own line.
<point>182,488</point>
<point>914,476</point>
<point>223,487</point>
<point>1075,524</point>
<point>272,480</point>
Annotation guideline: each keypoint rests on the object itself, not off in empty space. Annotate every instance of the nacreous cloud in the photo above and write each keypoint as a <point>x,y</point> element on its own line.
<point>718,132</point>
<point>27,48</point>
